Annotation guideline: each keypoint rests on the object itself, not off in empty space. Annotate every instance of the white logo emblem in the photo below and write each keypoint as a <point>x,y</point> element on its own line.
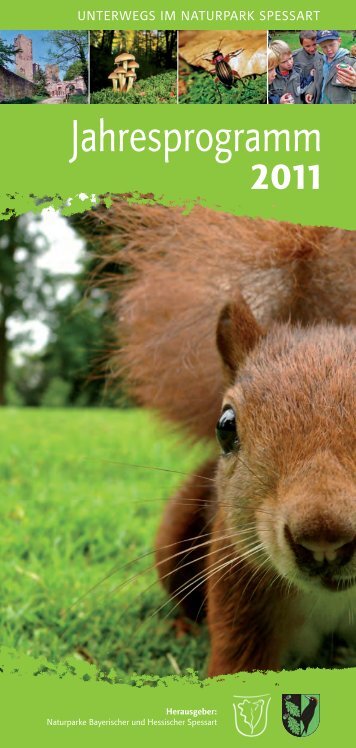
<point>251,714</point>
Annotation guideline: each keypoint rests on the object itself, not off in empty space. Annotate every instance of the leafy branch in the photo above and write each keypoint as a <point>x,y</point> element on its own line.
<point>292,709</point>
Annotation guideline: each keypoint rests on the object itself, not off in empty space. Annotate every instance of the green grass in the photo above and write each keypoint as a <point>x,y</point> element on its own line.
<point>25,100</point>
<point>78,99</point>
<point>70,513</point>
<point>292,39</point>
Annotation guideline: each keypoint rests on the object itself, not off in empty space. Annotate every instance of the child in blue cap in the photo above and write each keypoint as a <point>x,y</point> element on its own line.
<point>334,75</point>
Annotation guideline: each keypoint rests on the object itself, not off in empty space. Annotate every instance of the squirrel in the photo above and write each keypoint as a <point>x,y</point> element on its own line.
<point>244,328</point>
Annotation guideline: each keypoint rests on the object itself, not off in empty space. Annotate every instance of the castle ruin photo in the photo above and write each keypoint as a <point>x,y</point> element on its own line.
<point>23,82</point>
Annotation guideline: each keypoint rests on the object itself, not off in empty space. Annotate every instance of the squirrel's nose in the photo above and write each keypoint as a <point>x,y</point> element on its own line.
<point>316,552</point>
<point>323,551</point>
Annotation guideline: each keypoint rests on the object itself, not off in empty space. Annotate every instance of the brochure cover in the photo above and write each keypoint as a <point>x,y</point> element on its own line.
<point>177,358</point>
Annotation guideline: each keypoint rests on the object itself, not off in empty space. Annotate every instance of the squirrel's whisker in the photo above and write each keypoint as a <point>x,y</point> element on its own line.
<point>130,563</point>
<point>210,571</point>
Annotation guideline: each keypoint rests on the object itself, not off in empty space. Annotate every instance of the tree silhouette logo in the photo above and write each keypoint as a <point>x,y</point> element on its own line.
<point>301,713</point>
<point>251,714</point>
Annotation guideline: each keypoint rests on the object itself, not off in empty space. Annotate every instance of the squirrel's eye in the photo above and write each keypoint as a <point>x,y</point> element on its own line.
<point>226,431</point>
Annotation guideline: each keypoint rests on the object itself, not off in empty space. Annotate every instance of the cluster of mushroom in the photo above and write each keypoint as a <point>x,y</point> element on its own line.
<point>125,72</point>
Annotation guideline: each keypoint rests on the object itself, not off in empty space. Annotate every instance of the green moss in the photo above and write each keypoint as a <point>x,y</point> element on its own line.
<point>158,89</point>
<point>202,89</point>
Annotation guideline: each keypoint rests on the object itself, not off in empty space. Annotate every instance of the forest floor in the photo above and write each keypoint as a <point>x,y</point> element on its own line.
<point>199,87</point>
<point>157,89</point>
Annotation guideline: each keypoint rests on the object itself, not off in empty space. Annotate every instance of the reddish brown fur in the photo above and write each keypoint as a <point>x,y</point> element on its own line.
<point>168,318</point>
<point>248,640</point>
<point>186,524</point>
<point>288,299</point>
<point>296,467</point>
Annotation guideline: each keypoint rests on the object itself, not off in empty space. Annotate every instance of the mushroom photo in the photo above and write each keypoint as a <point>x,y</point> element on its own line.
<point>133,67</point>
<point>124,72</point>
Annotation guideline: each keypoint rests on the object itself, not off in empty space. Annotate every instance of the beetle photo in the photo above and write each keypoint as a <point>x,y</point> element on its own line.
<point>222,67</point>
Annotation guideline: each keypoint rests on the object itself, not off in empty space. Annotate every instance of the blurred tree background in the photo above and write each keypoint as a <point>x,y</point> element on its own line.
<point>155,51</point>
<point>66,366</point>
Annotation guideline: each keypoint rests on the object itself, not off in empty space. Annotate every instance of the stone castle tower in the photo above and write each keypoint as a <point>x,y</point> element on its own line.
<point>52,73</point>
<point>23,58</point>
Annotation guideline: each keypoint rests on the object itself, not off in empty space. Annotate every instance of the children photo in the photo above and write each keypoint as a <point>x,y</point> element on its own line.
<point>312,67</point>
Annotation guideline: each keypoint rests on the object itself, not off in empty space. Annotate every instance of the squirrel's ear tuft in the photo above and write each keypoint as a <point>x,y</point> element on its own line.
<point>236,335</point>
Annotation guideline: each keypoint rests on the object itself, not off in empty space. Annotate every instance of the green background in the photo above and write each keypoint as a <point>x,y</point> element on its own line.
<point>35,146</point>
<point>27,702</point>
<point>41,15</point>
